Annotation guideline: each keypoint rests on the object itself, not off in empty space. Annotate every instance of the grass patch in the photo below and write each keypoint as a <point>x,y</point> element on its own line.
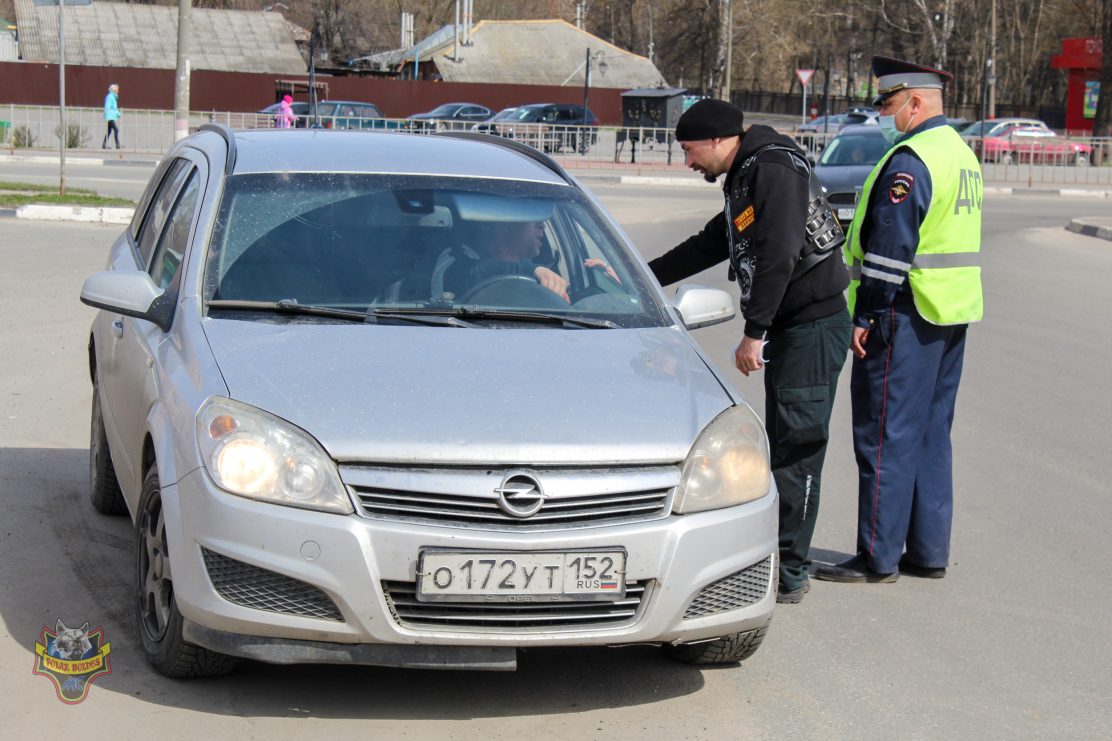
<point>13,195</point>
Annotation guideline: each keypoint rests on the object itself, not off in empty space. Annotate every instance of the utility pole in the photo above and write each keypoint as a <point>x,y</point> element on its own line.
<point>62,95</point>
<point>586,83</point>
<point>181,82</point>
<point>992,66</point>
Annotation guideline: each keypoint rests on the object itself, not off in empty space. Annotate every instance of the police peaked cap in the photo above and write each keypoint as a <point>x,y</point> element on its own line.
<point>708,119</point>
<point>894,75</point>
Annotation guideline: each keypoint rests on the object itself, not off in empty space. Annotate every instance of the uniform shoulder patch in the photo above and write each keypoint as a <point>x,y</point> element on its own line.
<point>744,219</point>
<point>901,187</point>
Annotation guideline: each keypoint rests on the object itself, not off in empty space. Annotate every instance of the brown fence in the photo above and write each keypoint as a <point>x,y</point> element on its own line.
<point>32,83</point>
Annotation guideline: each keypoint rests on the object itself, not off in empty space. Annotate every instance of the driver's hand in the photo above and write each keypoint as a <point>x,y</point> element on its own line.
<point>594,262</point>
<point>553,282</point>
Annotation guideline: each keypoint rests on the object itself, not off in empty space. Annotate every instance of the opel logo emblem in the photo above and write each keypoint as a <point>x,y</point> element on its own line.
<point>520,494</point>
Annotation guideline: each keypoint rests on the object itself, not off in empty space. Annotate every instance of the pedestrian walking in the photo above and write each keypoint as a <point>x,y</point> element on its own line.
<point>285,118</point>
<point>778,233</point>
<point>914,255</point>
<point>112,115</point>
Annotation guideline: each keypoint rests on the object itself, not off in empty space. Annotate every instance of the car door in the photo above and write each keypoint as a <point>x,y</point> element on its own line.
<point>128,390</point>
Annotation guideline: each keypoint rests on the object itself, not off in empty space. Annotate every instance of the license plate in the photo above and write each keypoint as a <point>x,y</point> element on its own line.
<point>513,576</point>
<point>845,214</point>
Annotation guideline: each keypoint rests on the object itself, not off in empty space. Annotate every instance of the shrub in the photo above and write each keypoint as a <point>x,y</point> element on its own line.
<point>76,136</point>
<point>22,137</point>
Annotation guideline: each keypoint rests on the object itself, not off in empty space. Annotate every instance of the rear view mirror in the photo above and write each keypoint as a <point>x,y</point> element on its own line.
<point>699,306</point>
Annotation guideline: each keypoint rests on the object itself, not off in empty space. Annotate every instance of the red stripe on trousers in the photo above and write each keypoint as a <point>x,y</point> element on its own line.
<point>880,441</point>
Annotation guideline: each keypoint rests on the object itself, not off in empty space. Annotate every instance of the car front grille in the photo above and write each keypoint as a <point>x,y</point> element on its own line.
<point>740,589</point>
<point>467,497</point>
<point>249,586</point>
<point>509,617</point>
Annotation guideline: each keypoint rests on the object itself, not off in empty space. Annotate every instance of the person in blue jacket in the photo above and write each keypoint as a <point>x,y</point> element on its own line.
<point>112,115</point>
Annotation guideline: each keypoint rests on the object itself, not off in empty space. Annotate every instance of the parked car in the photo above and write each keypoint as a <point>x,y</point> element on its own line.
<point>488,126</point>
<point>846,163</point>
<point>450,116</point>
<point>993,126</point>
<point>823,124</point>
<point>1032,144</point>
<point>337,114</point>
<point>552,127</point>
<point>307,486</point>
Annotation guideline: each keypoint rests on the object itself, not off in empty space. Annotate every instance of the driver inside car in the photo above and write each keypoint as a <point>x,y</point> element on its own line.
<point>501,248</point>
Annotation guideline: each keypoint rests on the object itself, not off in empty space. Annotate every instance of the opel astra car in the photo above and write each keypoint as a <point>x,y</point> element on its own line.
<point>356,418</point>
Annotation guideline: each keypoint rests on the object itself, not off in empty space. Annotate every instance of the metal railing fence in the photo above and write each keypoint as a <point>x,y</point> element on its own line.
<point>1058,160</point>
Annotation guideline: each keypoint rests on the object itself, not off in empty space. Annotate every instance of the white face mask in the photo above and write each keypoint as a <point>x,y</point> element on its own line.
<point>888,124</point>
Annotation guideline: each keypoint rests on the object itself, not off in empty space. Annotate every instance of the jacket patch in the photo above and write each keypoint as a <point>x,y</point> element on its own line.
<point>901,187</point>
<point>744,219</point>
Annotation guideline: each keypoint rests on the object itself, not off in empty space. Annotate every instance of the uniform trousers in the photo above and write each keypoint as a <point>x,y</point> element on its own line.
<point>903,393</point>
<point>800,379</point>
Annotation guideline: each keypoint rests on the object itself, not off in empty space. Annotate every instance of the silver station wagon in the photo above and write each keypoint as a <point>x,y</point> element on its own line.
<point>377,398</point>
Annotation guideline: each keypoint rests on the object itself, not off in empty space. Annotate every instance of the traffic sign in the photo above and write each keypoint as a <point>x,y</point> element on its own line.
<point>804,75</point>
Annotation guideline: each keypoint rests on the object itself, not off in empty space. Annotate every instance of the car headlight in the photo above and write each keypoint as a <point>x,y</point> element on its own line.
<point>259,456</point>
<point>728,464</point>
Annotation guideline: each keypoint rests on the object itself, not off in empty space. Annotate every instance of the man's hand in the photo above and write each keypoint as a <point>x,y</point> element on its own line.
<point>747,356</point>
<point>553,282</point>
<point>857,344</point>
<point>594,262</point>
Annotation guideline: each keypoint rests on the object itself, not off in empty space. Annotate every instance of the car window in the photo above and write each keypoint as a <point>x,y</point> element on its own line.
<point>368,242</point>
<point>160,208</point>
<point>853,149</point>
<point>370,111</point>
<point>175,237</point>
<point>550,115</point>
<point>148,194</point>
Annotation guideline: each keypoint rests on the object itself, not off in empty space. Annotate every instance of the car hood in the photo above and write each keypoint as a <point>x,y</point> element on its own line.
<point>843,178</point>
<point>406,394</point>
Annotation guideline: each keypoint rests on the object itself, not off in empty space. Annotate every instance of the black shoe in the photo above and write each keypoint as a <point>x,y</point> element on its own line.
<point>794,596</point>
<point>854,571</point>
<point>923,572</point>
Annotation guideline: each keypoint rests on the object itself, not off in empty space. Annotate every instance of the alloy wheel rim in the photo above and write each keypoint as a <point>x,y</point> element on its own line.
<point>155,589</point>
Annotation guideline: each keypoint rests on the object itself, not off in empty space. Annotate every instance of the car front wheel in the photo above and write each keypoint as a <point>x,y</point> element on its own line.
<point>1081,159</point>
<point>726,650</point>
<point>156,612</point>
<point>105,495</point>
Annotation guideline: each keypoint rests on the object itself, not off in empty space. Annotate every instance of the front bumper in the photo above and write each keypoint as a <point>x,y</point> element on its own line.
<point>356,565</point>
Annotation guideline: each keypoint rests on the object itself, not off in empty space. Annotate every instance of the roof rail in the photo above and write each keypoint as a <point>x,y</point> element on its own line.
<point>229,138</point>
<point>516,146</point>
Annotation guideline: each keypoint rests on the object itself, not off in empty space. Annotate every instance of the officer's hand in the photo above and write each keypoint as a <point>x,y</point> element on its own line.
<point>553,282</point>
<point>747,356</point>
<point>857,344</point>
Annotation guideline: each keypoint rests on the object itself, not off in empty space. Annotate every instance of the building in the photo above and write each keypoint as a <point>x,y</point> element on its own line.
<point>130,35</point>
<point>506,52</point>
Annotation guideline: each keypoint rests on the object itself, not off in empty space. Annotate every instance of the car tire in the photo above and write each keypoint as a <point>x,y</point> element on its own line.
<point>1081,159</point>
<point>584,143</point>
<point>156,611</point>
<point>1007,158</point>
<point>105,491</point>
<point>726,650</point>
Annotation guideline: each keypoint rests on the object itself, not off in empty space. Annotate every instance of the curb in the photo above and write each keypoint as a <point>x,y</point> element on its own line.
<point>78,160</point>
<point>1090,228</point>
<point>1065,192</point>
<point>88,214</point>
<point>663,180</point>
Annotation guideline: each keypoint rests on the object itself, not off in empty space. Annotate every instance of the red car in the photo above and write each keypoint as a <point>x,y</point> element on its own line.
<point>1034,145</point>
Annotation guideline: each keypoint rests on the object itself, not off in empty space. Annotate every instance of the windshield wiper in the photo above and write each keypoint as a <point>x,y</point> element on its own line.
<point>511,315</point>
<point>435,319</point>
<point>288,306</point>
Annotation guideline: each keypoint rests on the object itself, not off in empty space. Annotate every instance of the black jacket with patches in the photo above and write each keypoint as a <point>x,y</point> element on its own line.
<point>762,232</point>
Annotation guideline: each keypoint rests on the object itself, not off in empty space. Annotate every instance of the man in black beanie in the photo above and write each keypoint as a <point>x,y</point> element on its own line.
<point>783,244</point>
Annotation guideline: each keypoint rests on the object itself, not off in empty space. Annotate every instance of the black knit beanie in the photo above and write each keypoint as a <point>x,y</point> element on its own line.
<point>708,119</point>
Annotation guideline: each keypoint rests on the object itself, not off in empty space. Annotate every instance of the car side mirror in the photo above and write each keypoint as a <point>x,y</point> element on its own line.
<point>699,306</point>
<point>131,293</point>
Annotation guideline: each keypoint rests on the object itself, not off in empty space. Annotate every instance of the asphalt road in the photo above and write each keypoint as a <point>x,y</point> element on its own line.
<point>1012,644</point>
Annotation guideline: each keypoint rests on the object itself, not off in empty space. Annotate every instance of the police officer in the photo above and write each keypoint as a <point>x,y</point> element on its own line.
<point>913,249</point>
<point>777,231</point>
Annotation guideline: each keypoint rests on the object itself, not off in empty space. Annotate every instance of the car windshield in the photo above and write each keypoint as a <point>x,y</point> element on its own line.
<point>487,250</point>
<point>505,114</point>
<point>853,149</point>
<point>444,110</point>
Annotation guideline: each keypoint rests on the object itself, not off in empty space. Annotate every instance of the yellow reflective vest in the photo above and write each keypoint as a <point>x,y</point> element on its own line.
<point>945,275</point>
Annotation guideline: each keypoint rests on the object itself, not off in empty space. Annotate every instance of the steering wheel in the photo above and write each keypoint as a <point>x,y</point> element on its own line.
<point>518,291</point>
